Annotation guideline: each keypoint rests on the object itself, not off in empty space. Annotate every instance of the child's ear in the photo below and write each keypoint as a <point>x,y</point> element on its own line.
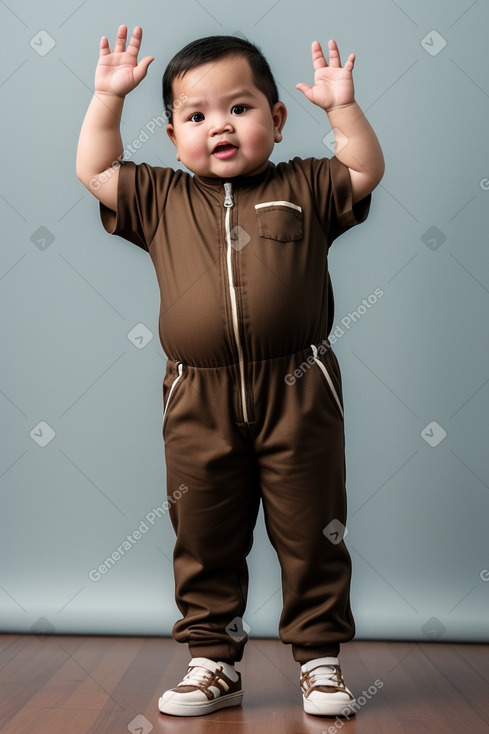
<point>171,134</point>
<point>279,116</point>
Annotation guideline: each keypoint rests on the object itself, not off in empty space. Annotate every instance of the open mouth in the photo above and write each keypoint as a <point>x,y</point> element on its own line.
<point>224,151</point>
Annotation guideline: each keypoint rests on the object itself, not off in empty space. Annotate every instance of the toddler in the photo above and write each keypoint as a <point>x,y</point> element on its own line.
<point>252,393</point>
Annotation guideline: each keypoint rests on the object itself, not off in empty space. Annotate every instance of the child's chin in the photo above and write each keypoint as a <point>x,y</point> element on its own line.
<point>228,171</point>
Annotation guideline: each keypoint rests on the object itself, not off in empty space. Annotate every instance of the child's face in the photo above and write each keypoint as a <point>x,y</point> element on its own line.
<point>224,108</point>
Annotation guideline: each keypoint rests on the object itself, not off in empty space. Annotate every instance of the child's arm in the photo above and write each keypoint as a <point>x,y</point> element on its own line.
<point>356,143</point>
<point>100,144</point>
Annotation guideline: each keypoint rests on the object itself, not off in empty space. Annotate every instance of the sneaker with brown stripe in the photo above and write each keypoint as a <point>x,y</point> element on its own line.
<point>206,687</point>
<point>323,689</point>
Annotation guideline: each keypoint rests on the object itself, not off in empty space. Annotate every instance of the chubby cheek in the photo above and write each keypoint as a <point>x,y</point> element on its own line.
<point>259,138</point>
<point>191,148</point>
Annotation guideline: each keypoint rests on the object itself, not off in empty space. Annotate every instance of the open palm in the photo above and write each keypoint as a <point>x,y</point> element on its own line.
<point>118,72</point>
<point>333,83</point>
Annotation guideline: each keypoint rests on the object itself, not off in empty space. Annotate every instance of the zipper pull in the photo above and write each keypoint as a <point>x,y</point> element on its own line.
<point>228,199</point>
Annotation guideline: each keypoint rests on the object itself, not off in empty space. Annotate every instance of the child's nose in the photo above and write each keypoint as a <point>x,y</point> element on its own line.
<point>220,125</point>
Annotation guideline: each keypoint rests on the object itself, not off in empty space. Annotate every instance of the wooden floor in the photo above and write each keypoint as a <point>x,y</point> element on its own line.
<point>106,685</point>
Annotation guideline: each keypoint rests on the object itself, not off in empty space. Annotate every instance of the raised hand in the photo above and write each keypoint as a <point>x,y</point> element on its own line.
<point>333,84</point>
<point>118,72</point>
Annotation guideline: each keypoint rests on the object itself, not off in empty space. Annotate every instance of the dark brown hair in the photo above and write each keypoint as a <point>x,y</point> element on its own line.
<point>211,48</point>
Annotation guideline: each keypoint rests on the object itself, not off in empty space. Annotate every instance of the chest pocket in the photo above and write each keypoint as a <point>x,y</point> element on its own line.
<point>279,220</point>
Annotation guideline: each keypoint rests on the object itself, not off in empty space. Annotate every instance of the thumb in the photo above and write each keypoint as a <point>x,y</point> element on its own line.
<point>305,89</point>
<point>142,68</point>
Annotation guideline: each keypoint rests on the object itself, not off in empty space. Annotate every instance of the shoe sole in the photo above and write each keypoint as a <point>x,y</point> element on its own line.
<point>199,708</point>
<point>329,709</point>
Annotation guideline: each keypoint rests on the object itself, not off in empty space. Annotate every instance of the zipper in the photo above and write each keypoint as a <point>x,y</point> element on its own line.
<point>327,376</point>
<point>175,381</point>
<point>229,203</point>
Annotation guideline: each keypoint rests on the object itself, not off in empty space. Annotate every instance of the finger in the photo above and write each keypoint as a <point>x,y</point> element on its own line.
<point>304,88</point>
<point>104,46</point>
<point>350,62</point>
<point>318,60</point>
<point>142,68</point>
<point>135,42</point>
<point>120,41</point>
<point>334,55</point>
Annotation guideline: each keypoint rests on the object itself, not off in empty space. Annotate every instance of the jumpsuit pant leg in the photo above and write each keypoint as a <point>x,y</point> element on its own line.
<point>300,449</point>
<point>292,457</point>
<point>210,458</point>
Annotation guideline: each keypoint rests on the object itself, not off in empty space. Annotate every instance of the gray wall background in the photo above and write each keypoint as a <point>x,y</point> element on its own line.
<point>414,364</point>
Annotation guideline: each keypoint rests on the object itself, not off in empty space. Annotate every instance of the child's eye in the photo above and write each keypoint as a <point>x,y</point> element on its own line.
<point>196,117</point>
<point>239,109</point>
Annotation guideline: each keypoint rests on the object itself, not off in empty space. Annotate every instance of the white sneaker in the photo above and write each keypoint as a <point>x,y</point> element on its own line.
<point>323,689</point>
<point>206,687</point>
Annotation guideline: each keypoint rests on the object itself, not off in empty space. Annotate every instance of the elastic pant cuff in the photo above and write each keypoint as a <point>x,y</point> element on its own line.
<point>305,654</point>
<point>216,652</point>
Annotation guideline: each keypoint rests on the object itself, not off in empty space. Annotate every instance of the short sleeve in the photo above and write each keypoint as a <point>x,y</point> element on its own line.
<point>141,196</point>
<point>330,182</point>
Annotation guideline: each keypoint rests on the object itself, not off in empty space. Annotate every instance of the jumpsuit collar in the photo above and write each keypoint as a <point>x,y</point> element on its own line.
<point>237,181</point>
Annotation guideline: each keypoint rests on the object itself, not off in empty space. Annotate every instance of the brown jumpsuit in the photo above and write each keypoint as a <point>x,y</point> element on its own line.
<point>252,393</point>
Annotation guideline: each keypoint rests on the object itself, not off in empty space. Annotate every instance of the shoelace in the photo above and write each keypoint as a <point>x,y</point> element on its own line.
<point>325,675</point>
<point>198,676</point>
